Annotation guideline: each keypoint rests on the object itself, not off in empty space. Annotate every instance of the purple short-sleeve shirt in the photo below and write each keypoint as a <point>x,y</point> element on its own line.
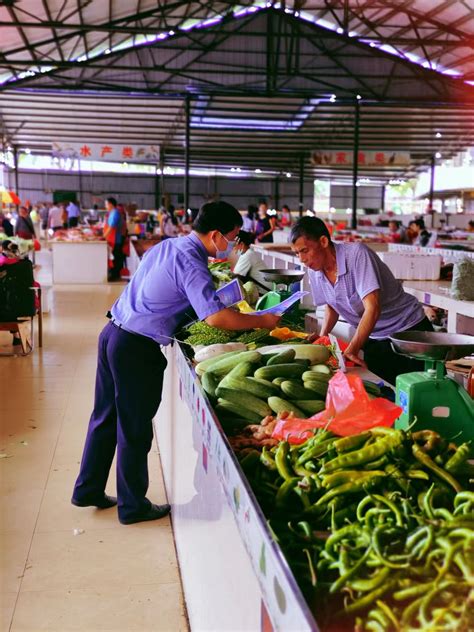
<point>359,272</point>
<point>171,283</point>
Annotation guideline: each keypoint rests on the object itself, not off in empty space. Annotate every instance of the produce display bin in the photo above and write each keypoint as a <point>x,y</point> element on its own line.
<point>234,574</point>
<point>80,262</point>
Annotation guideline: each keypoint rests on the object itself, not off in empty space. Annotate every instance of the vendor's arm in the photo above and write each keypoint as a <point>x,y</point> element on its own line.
<point>230,319</point>
<point>330,319</point>
<point>367,323</point>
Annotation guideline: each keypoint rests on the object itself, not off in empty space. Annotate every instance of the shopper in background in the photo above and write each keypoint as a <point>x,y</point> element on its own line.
<point>73,214</point>
<point>10,255</point>
<point>113,233</point>
<point>64,215</point>
<point>171,286</point>
<point>250,220</point>
<point>5,225</point>
<point>249,264</point>
<point>397,232</point>
<point>285,216</point>
<point>43,213</point>
<point>470,226</point>
<point>169,226</point>
<point>421,237</point>
<point>265,225</point>
<point>353,282</point>
<point>55,218</point>
<point>24,226</point>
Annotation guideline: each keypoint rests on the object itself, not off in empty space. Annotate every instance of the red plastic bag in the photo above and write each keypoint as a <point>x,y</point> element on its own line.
<point>349,410</point>
<point>36,245</point>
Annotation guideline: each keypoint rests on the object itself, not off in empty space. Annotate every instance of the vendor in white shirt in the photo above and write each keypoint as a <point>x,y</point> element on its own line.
<point>249,264</point>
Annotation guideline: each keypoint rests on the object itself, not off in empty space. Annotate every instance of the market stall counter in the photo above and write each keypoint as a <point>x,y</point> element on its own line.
<point>234,574</point>
<point>80,262</point>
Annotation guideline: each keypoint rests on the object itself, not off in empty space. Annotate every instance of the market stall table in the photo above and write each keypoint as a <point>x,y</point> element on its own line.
<point>80,262</point>
<point>436,294</point>
<point>234,574</point>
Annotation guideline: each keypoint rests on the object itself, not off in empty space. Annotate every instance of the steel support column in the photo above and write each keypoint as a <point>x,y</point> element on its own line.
<point>355,165</point>
<point>432,175</point>
<point>157,189</point>
<point>301,191</point>
<point>382,200</point>
<point>277,192</point>
<point>17,174</point>
<point>187,149</point>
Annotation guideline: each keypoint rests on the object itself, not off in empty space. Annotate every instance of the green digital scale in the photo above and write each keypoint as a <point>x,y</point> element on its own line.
<point>281,280</point>
<point>436,401</point>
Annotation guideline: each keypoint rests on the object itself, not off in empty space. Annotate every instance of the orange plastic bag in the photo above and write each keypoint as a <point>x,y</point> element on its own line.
<point>349,410</point>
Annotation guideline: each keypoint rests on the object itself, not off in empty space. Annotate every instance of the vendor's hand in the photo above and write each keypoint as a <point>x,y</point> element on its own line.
<point>270,321</point>
<point>354,357</point>
<point>313,337</point>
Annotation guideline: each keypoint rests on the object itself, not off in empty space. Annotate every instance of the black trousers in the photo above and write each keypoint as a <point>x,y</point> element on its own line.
<point>119,258</point>
<point>73,222</point>
<point>384,362</point>
<point>129,382</point>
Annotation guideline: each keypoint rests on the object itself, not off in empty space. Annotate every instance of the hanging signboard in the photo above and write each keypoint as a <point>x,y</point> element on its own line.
<point>105,151</point>
<point>344,158</point>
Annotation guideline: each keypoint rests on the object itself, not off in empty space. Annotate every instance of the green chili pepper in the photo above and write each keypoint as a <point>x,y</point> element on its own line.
<point>377,546</point>
<point>369,598</point>
<point>250,460</point>
<point>339,478</point>
<point>352,531</point>
<point>312,571</point>
<point>376,465</point>
<point>411,592</point>
<point>417,474</point>
<point>284,491</point>
<point>349,572</point>
<point>455,463</point>
<point>463,497</point>
<point>371,583</point>
<point>391,505</point>
<point>267,459</point>
<point>353,442</point>
<point>389,614</point>
<point>426,601</point>
<point>366,454</point>
<point>362,483</point>
<point>281,461</point>
<point>428,462</point>
<point>315,451</point>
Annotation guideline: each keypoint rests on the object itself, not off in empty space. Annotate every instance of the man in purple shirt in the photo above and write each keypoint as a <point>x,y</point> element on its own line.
<point>171,285</point>
<point>353,282</point>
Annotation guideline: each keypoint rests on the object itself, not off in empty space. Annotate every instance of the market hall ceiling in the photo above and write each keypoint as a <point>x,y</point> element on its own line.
<point>245,56</point>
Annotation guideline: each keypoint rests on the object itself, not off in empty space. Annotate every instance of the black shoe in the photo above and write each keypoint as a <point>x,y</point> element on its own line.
<point>101,503</point>
<point>16,342</point>
<point>155,512</point>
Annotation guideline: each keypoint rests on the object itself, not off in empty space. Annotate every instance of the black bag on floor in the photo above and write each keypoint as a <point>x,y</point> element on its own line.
<point>17,299</point>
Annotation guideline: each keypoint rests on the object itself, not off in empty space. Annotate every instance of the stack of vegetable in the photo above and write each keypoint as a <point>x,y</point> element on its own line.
<point>246,387</point>
<point>401,549</point>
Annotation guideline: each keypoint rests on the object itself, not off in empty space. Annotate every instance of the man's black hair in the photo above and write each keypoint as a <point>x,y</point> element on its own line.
<point>419,222</point>
<point>285,206</point>
<point>219,216</point>
<point>245,238</point>
<point>112,201</point>
<point>309,227</point>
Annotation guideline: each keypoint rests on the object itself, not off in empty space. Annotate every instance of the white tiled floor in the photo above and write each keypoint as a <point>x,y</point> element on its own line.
<point>110,577</point>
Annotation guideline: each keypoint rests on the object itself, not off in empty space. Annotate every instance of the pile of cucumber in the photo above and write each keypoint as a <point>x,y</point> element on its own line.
<point>246,387</point>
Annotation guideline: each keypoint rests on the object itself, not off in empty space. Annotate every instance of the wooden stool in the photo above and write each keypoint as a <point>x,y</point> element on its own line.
<point>24,327</point>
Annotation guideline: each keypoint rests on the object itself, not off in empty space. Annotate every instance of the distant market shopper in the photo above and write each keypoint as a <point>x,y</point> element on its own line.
<point>265,226</point>
<point>249,264</point>
<point>353,282</point>
<point>172,285</point>
<point>55,218</point>
<point>113,233</point>
<point>73,214</point>
<point>24,225</point>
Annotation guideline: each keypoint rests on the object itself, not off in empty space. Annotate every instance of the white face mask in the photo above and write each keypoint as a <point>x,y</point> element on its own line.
<point>223,254</point>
